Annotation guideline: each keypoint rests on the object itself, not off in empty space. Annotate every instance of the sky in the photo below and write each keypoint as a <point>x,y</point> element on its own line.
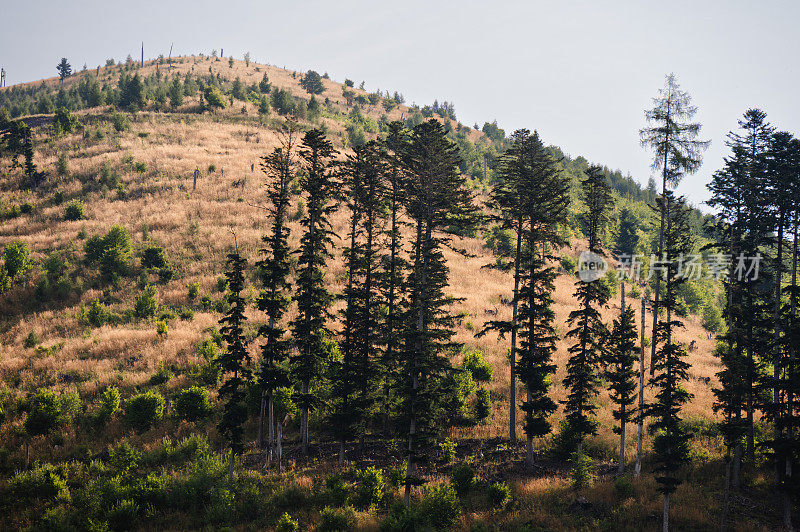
<point>581,73</point>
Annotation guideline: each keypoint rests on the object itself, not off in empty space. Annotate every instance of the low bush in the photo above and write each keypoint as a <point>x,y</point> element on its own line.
<point>371,487</point>
<point>462,478</point>
<point>439,506</point>
<point>143,410</point>
<point>498,493</point>
<point>193,403</point>
<point>336,520</point>
<point>74,211</point>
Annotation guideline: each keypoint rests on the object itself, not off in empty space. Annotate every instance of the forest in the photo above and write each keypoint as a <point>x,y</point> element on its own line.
<point>345,312</point>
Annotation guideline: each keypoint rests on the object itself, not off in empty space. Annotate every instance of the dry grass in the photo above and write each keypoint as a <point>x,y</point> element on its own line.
<point>197,230</point>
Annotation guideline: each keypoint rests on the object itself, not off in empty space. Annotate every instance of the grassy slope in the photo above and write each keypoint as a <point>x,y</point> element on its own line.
<point>196,229</point>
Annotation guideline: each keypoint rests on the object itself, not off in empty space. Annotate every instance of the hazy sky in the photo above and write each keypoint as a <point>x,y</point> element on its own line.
<point>581,73</point>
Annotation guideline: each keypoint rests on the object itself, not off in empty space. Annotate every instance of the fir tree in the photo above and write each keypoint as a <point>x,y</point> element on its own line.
<point>393,263</point>
<point>436,198</point>
<point>588,329</point>
<point>620,372</point>
<point>309,327</point>
<point>356,374</point>
<point>671,440</point>
<point>234,361</point>
<point>64,69</point>
<point>274,269</point>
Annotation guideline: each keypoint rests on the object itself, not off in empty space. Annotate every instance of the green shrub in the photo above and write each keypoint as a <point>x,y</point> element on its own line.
<point>582,470</point>
<point>371,486</point>
<point>146,303</point>
<point>153,257</point>
<point>194,290</point>
<point>462,478</point>
<point>483,405</point>
<point>568,263</point>
<point>448,450</point>
<point>120,122</point>
<point>44,412</point>
<point>74,211</point>
<point>222,283</point>
<point>474,362</point>
<point>123,515</point>
<point>161,376</point>
<point>16,258</point>
<point>623,487</point>
<point>97,314</point>
<point>193,403</point>
<point>712,318</point>
<point>162,329</point>
<point>42,483</point>
<point>337,489</point>
<point>439,506</point>
<point>32,340</point>
<point>498,493</point>
<point>287,524</point>
<point>109,403</point>
<point>143,410</point>
<point>124,457</point>
<point>335,520</point>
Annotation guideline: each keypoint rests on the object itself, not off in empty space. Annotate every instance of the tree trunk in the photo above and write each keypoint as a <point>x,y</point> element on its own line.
<point>726,494</point>
<point>27,454</point>
<point>260,437</point>
<point>640,412</point>
<point>515,302</point>
<point>665,522</point>
<point>304,422</point>
<point>278,448</point>
<point>230,469</point>
<point>529,439</point>
<point>271,428</point>
<point>737,466</point>
<point>341,453</point>
<point>776,317</point>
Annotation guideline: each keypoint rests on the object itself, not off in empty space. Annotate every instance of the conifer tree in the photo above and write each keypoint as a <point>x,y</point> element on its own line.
<point>393,263</point>
<point>356,374</point>
<point>588,330</point>
<point>309,327</point>
<point>676,152</point>
<point>274,269</point>
<point>531,197</point>
<point>234,361</point>
<point>670,444</point>
<point>620,372</point>
<point>436,199</point>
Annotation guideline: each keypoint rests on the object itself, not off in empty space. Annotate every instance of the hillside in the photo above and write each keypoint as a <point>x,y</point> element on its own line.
<point>136,170</point>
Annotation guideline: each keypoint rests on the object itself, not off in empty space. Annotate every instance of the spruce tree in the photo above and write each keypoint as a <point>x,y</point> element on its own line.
<point>393,265</point>
<point>356,374</point>
<point>670,444</point>
<point>436,199</point>
<point>676,152</point>
<point>531,197</point>
<point>620,372</point>
<point>588,330</point>
<point>309,327</point>
<point>274,269</point>
<point>234,361</point>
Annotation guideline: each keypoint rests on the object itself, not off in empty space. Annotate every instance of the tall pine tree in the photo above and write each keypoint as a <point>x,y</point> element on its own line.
<point>274,269</point>
<point>234,361</point>
<point>309,327</point>
<point>436,199</point>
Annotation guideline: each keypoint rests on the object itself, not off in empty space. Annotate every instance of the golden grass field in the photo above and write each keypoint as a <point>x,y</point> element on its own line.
<point>197,230</point>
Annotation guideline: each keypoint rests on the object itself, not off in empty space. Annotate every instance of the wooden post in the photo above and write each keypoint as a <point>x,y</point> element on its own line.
<point>196,174</point>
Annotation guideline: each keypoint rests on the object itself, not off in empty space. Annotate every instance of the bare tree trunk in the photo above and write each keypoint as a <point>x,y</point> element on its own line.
<point>621,467</point>
<point>640,414</point>
<point>262,410</point>
<point>529,439</point>
<point>341,453</point>
<point>515,302</point>
<point>230,469</point>
<point>665,522</point>
<point>271,427</point>
<point>304,422</point>
<point>27,454</point>
<point>278,449</point>
<point>737,465</point>
<point>726,494</point>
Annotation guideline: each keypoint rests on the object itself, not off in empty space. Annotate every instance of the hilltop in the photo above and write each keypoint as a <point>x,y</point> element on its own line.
<point>136,170</point>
